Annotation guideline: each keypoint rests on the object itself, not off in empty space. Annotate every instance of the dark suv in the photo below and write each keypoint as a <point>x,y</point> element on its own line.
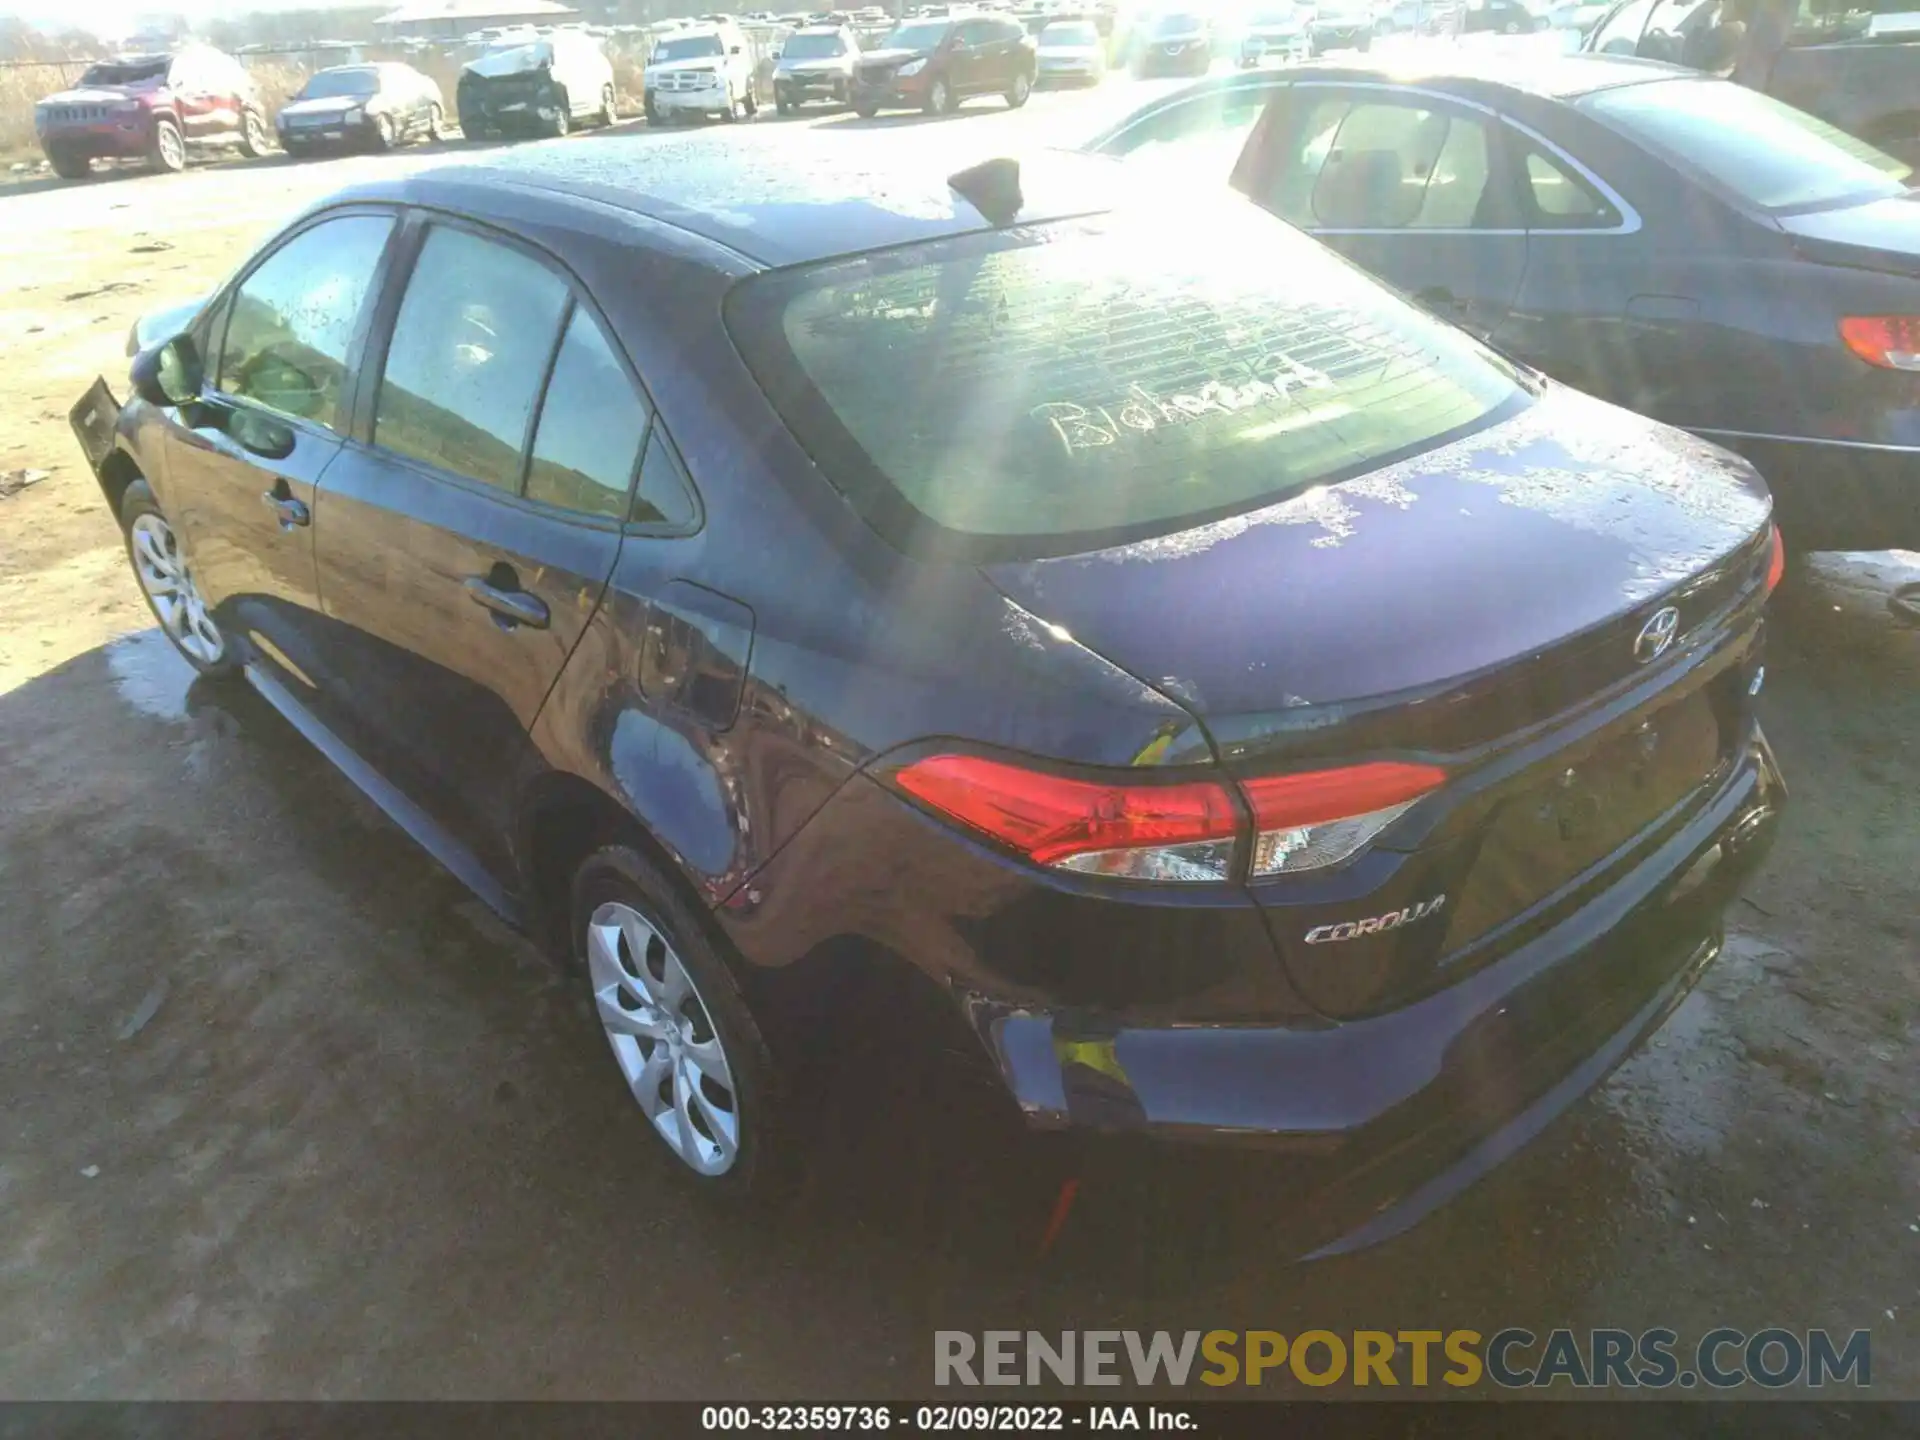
<point>1239,705</point>
<point>154,108</point>
<point>933,65</point>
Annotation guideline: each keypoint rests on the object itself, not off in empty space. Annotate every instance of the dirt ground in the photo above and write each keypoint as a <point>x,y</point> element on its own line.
<point>286,1114</point>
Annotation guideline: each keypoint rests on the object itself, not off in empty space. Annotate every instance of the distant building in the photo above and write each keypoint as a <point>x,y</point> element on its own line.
<point>450,19</point>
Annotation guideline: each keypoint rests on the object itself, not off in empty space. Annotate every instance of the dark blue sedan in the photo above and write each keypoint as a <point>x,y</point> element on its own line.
<point>1240,704</point>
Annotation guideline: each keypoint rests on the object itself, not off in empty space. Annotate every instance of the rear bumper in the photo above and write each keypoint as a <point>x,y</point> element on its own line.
<point>1395,1114</point>
<point>1834,496</point>
<point>107,140</point>
<point>334,135</point>
<point>691,102</point>
<point>897,94</point>
<point>796,91</point>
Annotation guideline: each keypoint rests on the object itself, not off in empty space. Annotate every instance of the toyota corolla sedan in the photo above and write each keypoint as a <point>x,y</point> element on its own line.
<point>1246,707</point>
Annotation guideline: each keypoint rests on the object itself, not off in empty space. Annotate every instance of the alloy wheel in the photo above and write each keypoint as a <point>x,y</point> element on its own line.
<point>173,150</point>
<point>663,1039</point>
<point>168,580</point>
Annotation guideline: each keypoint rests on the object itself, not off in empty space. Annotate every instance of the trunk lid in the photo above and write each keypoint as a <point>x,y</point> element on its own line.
<point>1482,559</point>
<point>1444,606</point>
<point>1881,235</point>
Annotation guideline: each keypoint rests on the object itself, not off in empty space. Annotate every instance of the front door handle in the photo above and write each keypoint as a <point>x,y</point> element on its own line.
<point>510,607</point>
<point>292,512</point>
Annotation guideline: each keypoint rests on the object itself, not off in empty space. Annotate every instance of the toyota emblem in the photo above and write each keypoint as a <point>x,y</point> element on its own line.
<point>1656,635</point>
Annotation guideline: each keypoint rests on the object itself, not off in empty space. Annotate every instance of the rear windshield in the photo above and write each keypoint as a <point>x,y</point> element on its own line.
<point>922,35</point>
<point>329,84</point>
<point>688,47</point>
<point>813,47</point>
<point>125,72</point>
<point>1069,32</point>
<point>1766,152</point>
<point>1044,389</point>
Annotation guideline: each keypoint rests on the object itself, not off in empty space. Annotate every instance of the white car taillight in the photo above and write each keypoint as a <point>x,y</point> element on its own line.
<point>1310,820</point>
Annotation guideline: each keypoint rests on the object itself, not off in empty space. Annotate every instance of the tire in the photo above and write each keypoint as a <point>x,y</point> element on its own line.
<point>253,134</point>
<point>632,930</point>
<point>865,110</point>
<point>749,104</point>
<point>161,568</point>
<point>608,114</point>
<point>939,99</point>
<point>732,112</point>
<point>782,105</point>
<point>383,132</point>
<point>1512,27</point>
<point>436,124</point>
<point>562,116</point>
<point>295,150</point>
<point>1019,92</point>
<point>166,152</point>
<point>69,166</point>
<point>652,111</point>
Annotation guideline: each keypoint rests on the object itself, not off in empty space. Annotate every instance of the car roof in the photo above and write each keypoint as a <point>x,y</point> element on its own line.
<point>788,199</point>
<point>1552,77</point>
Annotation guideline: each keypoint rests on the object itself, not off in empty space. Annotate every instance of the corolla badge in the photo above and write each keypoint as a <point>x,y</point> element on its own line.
<point>1374,924</point>
<point>1656,635</point>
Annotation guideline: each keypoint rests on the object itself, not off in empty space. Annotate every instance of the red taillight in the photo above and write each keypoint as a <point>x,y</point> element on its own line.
<point>1318,818</point>
<point>1777,564</point>
<point>1890,341</point>
<point>1152,831</point>
<point>1181,832</point>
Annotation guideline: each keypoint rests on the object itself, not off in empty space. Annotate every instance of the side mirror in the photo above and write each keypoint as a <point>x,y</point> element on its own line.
<point>774,54</point>
<point>733,50</point>
<point>170,373</point>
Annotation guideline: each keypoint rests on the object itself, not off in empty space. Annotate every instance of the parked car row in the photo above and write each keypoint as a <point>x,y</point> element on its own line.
<point>162,108</point>
<point>1688,248</point>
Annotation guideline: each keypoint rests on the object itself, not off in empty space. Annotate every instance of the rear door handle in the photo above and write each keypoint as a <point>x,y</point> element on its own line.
<point>292,512</point>
<point>510,607</point>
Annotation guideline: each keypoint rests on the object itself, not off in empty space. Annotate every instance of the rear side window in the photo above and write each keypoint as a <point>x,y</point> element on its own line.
<point>1561,200</point>
<point>1367,165</point>
<point>591,427</point>
<point>1033,388</point>
<point>469,351</point>
<point>292,320</point>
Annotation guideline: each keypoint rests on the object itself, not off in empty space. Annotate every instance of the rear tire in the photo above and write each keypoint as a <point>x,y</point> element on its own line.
<point>166,582</point>
<point>253,134</point>
<point>939,98</point>
<point>1019,92</point>
<point>166,152</point>
<point>609,113</point>
<point>562,116</point>
<point>436,125</point>
<point>651,956</point>
<point>69,166</point>
<point>383,133</point>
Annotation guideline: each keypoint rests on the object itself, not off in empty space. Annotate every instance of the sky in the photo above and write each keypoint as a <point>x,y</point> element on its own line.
<point>109,17</point>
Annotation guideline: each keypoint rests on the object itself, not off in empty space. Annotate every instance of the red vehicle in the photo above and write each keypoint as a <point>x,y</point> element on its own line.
<point>151,107</point>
